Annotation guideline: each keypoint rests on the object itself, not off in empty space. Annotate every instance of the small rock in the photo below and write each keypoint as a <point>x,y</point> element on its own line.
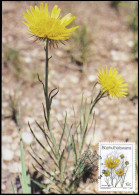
<point>126,134</point>
<point>114,55</point>
<point>63,83</point>
<point>59,53</point>
<point>69,112</point>
<point>92,78</point>
<point>16,168</point>
<point>27,137</point>
<point>63,97</point>
<point>18,153</point>
<point>29,119</point>
<point>14,146</point>
<point>88,93</point>
<point>74,79</point>
<point>39,135</point>
<point>4,168</point>
<point>113,119</point>
<point>3,124</point>
<point>55,102</point>
<point>96,110</point>
<point>5,104</point>
<point>25,101</point>
<point>15,134</point>
<point>133,131</point>
<point>71,168</point>
<point>3,40</point>
<point>27,59</point>
<point>130,43</point>
<point>7,154</point>
<point>115,41</point>
<point>117,55</point>
<point>107,133</point>
<point>95,188</point>
<point>64,103</point>
<point>94,140</point>
<point>122,111</point>
<point>48,149</point>
<point>123,126</point>
<point>59,117</point>
<point>3,187</point>
<point>7,139</point>
<point>10,38</point>
<point>47,181</point>
<point>102,116</point>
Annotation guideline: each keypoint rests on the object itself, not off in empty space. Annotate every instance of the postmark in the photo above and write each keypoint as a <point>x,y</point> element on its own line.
<point>117,166</point>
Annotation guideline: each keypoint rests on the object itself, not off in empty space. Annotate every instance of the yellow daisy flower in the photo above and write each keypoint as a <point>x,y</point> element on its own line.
<point>112,83</point>
<point>127,162</point>
<point>112,162</point>
<point>44,24</point>
<point>120,171</point>
<point>106,173</point>
<point>121,156</point>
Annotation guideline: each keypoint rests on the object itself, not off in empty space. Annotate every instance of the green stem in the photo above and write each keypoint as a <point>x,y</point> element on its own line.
<point>46,81</point>
<point>47,99</point>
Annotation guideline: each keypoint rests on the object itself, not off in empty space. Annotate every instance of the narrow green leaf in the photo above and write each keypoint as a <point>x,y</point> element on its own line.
<point>42,160</point>
<point>39,184</point>
<point>61,160</point>
<point>29,183</point>
<point>74,116</point>
<point>47,138</point>
<point>13,188</point>
<point>69,135</point>
<point>42,85</point>
<point>93,90</point>
<point>69,150</point>
<point>52,179</point>
<point>42,145</point>
<point>84,111</point>
<point>42,173</point>
<point>74,149</point>
<point>42,168</point>
<point>43,130</point>
<point>61,138</point>
<point>81,108</point>
<point>70,147</point>
<point>24,180</point>
<point>44,112</point>
<point>52,135</point>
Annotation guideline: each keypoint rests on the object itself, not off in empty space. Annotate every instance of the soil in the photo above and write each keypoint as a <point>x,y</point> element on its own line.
<point>110,42</point>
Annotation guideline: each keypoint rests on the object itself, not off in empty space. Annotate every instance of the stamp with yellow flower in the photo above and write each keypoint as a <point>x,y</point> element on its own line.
<point>117,166</point>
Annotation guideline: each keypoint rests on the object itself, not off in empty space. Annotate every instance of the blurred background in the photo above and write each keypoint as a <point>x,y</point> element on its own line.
<point>107,35</point>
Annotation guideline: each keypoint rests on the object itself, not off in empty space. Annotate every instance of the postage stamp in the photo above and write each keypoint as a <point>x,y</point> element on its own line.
<point>117,166</point>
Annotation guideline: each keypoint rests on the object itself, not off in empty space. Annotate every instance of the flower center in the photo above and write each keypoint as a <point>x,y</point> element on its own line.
<point>46,26</point>
<point>110,83</point>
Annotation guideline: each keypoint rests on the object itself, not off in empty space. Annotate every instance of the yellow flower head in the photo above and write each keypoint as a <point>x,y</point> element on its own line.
<point>44,24</point>
<point>127,162</point>
<point>112,162</point>
<point>121,156</point>
<point>112,83</point>
<point>120,171</point>
<point>106,173</point>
